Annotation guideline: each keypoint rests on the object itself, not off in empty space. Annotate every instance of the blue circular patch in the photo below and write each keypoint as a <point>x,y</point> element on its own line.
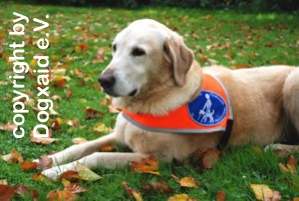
<point>208,109</point>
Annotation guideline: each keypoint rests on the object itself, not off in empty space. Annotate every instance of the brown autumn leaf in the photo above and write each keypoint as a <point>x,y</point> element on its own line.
<point>25,191</point>
<point>6,193</point>
<point>181,197</point>
<point>70,175</point>
<point>220,196</point>
<point>133,192</point>
<point>283,168</point>
<point>44,162</point>
<point>189,182</point>
<point>56,123</point>
<point>42,140</point>
<point>83,47</point>
<point>78,73</point>
<point>29,165</point>
<point>59,83</point>
<point>97,86</point>
<point>91,113</point>
<point>158,186</point>
<point>61,195</point>
<point>146,165</point>
<point>13,157</point>
<point>75,188</point>
<point>292,164</point>
<point>8,127</point>
<point>99,57</point>
<point>69,94</point>
<point>73,122</point>
<point>56,97</point>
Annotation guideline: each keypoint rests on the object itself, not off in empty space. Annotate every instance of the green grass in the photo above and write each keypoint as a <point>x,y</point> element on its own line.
<point>251,39</point>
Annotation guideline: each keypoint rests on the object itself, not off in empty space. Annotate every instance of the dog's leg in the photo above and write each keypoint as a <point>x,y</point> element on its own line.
<point>96,160</point>
<point>76,152</point>
<point>291,98</point>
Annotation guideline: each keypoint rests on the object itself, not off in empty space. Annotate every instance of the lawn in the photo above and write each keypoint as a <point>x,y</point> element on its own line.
<point>80,41</point>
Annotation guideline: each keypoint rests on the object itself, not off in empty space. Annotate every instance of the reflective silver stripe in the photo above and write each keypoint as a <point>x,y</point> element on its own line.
<point>181,131</point>
<point>227,95</point>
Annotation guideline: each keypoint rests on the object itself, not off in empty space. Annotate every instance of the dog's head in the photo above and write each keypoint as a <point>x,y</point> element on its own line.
<point>145,54</point>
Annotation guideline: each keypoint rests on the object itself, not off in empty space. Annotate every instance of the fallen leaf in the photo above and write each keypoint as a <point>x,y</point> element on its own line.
<point>70,175</point>
<point>86,174</point>
<point>69,94</point>
<point>107,148</point>
<point>25,191</point>
<point>8,127</point>
<point>44,163</point>
<point>3,182</point>
<point>292,164</point>
<point>158,186</point>
<point>6,193</point>
<point>56,97</point>
<point>146,165</point>
<point>91,113</point>
<point>42,140</point>
<point>99,57</point>
<point>56,123</point>
<point>79,140</point>
<point>189,182</point>
<point>274,197</point>
<point>63,195</point>
<point>13,157</point>
<point>220,196</point>
<point>75,188</point>
<point>135,193</point>
<point>181,197</point>
<point>28,165</point>
<point>261,191</point>
<point>114,110</point>
<point>101,128</point>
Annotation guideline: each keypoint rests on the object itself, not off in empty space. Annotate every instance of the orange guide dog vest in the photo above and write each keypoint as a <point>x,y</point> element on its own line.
<point>208,112</point>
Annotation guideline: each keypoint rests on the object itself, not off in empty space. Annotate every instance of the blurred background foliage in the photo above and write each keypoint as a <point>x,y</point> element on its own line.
<point>244,5</point>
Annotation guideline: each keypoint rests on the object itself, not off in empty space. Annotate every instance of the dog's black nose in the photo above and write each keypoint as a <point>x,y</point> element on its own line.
<point>106,81</point>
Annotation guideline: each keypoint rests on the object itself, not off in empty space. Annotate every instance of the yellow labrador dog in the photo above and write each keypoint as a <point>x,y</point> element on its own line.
<point>154,77</point>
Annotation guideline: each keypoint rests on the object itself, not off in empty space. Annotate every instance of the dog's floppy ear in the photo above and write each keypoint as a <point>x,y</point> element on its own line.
<point>180,57</point>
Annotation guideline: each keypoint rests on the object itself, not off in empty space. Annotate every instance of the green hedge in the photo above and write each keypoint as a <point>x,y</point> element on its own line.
<point>250,5</point>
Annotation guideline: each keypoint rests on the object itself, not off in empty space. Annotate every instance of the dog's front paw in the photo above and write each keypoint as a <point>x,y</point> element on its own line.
<point>52,173</point>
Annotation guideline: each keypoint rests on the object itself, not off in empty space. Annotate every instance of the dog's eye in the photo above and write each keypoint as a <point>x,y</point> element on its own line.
<point>114,48</point>
<point>137,52</point>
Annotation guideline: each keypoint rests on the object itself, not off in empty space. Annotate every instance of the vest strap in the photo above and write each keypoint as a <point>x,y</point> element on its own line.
<point>226,135</point>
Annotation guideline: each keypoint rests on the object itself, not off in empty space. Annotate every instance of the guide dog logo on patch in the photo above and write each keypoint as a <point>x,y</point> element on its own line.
<point>207,109</point>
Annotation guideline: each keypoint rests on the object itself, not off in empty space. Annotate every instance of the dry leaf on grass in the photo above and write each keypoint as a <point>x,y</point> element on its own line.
<point>181,197</point>
<point>220,196</point>
<point>75,188</point>
<point>261,191</point>
<point>42,140</point>
<point>45,162</point>
<point>63,195</point>
<point>3,182</point>
<point>13,157</point>
<point>101,128</point>
<point>146,165</point>
<point>29,165</point>
<point>133,192</point>
<point>25,191</point>
<point>158,186</point>
<point>188,182</point>
<point>6,193</point>
<point>8,127</point>
<point>91,113</point>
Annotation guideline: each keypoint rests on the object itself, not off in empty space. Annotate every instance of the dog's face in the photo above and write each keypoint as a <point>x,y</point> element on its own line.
<point>142,53</point>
